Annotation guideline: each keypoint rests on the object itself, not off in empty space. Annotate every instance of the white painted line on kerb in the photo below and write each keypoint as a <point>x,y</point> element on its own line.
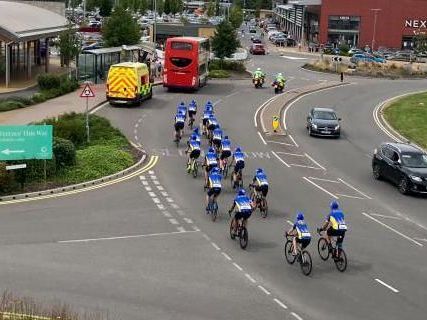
<point>247,275</point>
<point>384,216</point>
<point>290,154</point>
<point>280,303</point>
<point>122,237</point>
<point>319,187</point>
<point>325,180</point>
<point>264,290</point>
<point>387,285</point>
<point>237,266</point>
<point>394,230</point>
<point>173,221</point>
<point>262,139</point>
<point>280,159</point>
<point>355,189</point>
<point>315,162</point>
<point>296,316</point>
<point>215,246</point>
<point>226,256</point>
<point>293,140</point>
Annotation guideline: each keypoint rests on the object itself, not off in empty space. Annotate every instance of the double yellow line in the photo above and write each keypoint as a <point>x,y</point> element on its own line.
<point>151,163</point>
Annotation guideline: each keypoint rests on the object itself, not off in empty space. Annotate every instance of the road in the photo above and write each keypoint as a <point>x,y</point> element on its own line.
<point>145,248</point>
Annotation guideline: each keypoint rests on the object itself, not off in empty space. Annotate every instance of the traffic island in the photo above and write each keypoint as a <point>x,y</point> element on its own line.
<point>407,116</point>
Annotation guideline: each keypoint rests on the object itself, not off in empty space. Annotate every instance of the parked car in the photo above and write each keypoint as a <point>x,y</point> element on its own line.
<point>403,56</point>
<point>402,164</point>
<point>257,48</point>
<point>323,122</point>
<point>276,35</point>
<point>280,41</point>
<point>365,57</point>
<point>252,30</point>
<point>354,51</point>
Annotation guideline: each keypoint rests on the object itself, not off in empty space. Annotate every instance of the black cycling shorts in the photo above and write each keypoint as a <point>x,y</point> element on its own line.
<point>336,233</point>
<point>216,143</point>
<point>304,242</point>
<point>209,167</point>
<point>214,191</point>
<point>211,126</point>
<point>191,113</point>
<point>225,154</point>
<point>179,126</point>
<point>195,154</point>
<point>239,166</point>
<point>204,121</point>
<point>262,189</point>
<point>242,215</point>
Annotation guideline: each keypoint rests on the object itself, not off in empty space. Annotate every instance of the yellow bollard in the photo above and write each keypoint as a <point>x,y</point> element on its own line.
<point>275,123</point>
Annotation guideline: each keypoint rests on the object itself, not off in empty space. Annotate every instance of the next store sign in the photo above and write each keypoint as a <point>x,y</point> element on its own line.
<point>416,24</point>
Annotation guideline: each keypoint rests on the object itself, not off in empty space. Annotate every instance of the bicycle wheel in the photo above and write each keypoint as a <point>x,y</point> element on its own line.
<point>226,171</point>
<point>306,263</point>
<point>214,211</point>
<point>195,169</point>
<point>232,235</point>
<point>264,210</point>
<point>243,238</point>
<point>322,247</point>
<point>341,261</point>
<point>290,258</point>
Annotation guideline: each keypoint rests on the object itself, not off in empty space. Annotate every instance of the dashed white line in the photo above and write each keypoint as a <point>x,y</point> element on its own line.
<point>315,162</point>
<point>247,275</point>
<point>237,266</point>
<point>280,303</point>
<point>153,177</point>
<point>394,230</point>
<point>155,200</point>
<point>293,140</point>
<point>164,194</point>
<point>136,138</point>
<point>261,137</point>
<point>387,285</point>
<point>136,126</point>
<point>180,229</point>
<point>167,214</point>
<point>161,207</point>
<point>145,183</point>
<point>151,172</point>
<point>142,177</point>
<point>189,221</point>
<point>148,188</point>
<point>195,228</point>
<point>160,187</point>
<point>170,200</point>
<point>206,237</point>
<point>280,159</point>
<point>156,183</point>
<point>215,246</point>
<point>317,186</point>
<point>175,206</point>
<point>264,290</point>
<point>355,189</point>
<point>294,314</point>
<point>226,256</point>
<point>173,221</point>
<point>152,194</point>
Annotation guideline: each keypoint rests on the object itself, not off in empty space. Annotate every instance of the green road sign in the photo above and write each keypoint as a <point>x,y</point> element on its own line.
<point>25,142</point>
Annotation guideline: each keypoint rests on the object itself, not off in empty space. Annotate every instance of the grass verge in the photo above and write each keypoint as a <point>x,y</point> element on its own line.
<point>409,117</point>
<point>219,74</point>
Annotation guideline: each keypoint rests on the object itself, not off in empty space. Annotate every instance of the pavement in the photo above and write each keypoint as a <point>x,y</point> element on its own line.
<point>145,248</point>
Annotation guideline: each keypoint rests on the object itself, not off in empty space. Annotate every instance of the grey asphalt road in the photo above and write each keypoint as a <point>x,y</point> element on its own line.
<point>145,248</point>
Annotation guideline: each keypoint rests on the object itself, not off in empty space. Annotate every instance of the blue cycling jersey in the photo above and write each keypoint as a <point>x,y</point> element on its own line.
<point>211,159</point>
<point>225,145</point>
<point>194,145</point>
<point>215,180</point>
<point>213,121</point>
<point>261,179</point>
<point>194,135</point>
<point>192,107</point>
<point>302,230</point>
<point>206,114</point>
<point>182,109</point>
<point>239,156</point>
<point>179,118</point>
<point>336,217</point>
<point>217,134</point>
<point>243,204</point>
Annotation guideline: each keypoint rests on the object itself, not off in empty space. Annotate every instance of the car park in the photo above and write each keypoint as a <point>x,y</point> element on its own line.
<point>364,57</point>
<point>323,122</point>
<point>257,48</point>
<point>403,165</point>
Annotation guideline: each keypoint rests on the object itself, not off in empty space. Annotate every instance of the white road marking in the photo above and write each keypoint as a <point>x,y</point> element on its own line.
<point>419,239</point>
<point>170,200</point>
<point>160,187</point>
<point>387,285</point>
<point>148,188</point>
<point>173,221</point>
<point>355,189</point>
<point>237,266</point>
<point>155,200</point>
<point>282,143</point>
<point>152,194</point>
<point>296,316</point>
<point>215,246</point>
<point>321,179</point>
<point>161,207</point>
<point>136,125</point>
<point>348,196</point>
<point>293,58</point>
<point>145,183</point>
<point>206,237</point>
<point>280,159</point>
<point>261,137</point>
<point>167,214</point>
<point>98,108</point>
<point>384,216</point>
<point>280,303</point>
<point>247,275</point>
<point>232,94</point>
<point>189,221</point>
<point>164,194</point>
<point>142,177</point>
<point>323,189</point>
<point>175,206</point>
<point>180,212</point>
<point>156,183</point>
<point>151,172</point>
<point>290,222</point>
<point>293,140</point>
<point>226,256</point>
<point>195,228</point>
<point>259,108</point>
<point>216,102</point>
<point>392,229</point>
<point>304,166</point>
<point>315,162</point>
<point>153,177</point>
<point>264,290</point>
<point>122,237</point>
<point>290,154</point>
<point>136,138</point>
<point>180,229</point>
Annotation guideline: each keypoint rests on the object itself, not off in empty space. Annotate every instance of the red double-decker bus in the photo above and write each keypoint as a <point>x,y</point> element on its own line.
<point>186,62</point>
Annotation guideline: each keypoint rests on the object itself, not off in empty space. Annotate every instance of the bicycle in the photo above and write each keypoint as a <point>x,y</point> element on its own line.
<point>225,165</point>
<point>212,208</point>
<point>333,250</point>
<point>238,183</point>
<point>178,136</point>
<point>303,256</point>
<point>191,122</point>
<point>260,201</point>
<point>194,168</point>
<point>242,232</point>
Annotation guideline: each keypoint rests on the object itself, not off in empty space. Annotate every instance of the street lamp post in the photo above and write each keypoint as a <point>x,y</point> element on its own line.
<point>155,22</point>
<point>376,11</point>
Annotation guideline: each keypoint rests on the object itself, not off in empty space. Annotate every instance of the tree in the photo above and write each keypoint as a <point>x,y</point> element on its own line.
<point>176,6</point>
<point>105,7</point>
<point>224,41</point>
<point>167,6</point>
<point>121,29</point>
<point>236,16</point>
<point>69,45</point>
<point>211,8</point>
<point>420,42</point>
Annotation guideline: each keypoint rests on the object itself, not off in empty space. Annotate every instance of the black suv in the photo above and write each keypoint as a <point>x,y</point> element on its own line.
<point>402,164</point>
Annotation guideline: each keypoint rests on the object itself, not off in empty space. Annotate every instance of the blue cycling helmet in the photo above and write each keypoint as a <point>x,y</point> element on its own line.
<point>211,116</point>
<point>259,170</point>
<point>334,205</point>
<point>211,149</point>
<point>209,103</point>
<point>300,216</point>
<point>196,131</point>
<point>238,149</point>
<point>193,102</point>
<point>193,137</point>
<point>182,104</point>
<point>225,137</point>
<point>242,192</point>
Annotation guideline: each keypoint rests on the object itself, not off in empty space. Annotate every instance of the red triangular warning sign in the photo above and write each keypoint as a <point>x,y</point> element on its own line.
<point>87,92</point>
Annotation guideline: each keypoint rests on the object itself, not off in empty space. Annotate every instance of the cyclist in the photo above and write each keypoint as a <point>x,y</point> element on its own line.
<point>181,107</point>
<point>213,187</point>
<point>192,110</point>
<point>217,138</point>
<point>179,125</point>
<point>225,152</point>
<point>209,163</point>
<point>335,225</point>
<point>243,209</point>
<point>193,150</point>
<point>300,233</point>
<point>196,134</point>
<point>239,163</point>
<point>206,113</point>
<point>260,184</point>
<point>211,125</point>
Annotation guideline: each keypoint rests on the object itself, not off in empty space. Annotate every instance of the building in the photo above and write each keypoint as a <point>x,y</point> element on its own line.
<point>373,23</point>
<point>166,30</point>
<point>57,6</point>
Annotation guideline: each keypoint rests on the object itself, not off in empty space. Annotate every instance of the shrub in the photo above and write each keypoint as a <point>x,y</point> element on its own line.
<point>8,105</point>
<point>219,74</point>
<point>227,65</point>
<point>39,97</point>
<point>48,81</point>
<point>69,126</point>
<point>7,179</point>
<point>65,152</point>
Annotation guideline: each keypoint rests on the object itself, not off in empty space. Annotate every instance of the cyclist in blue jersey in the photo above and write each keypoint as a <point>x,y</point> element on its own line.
<point>192,110</point>
<point>239,163</point>
<point>193,151</point>
<point>206,113</point>
<point>214,186</point>
<point>335,225</point>
<point>181,107</point>
<point>260,183</point>
<point>243,207</point>
<point>300,233</point>
<point>225,152</point>
<point>217,138</point>
<point>179,125</point>
<point>209,163</point>
<point>211,125</point>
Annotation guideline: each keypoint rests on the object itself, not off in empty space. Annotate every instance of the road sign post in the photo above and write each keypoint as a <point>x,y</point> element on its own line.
<point>87,93</point>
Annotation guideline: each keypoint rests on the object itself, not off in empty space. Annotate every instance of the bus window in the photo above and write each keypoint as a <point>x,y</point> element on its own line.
<point>180,62</point>
<point>176,45</point>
